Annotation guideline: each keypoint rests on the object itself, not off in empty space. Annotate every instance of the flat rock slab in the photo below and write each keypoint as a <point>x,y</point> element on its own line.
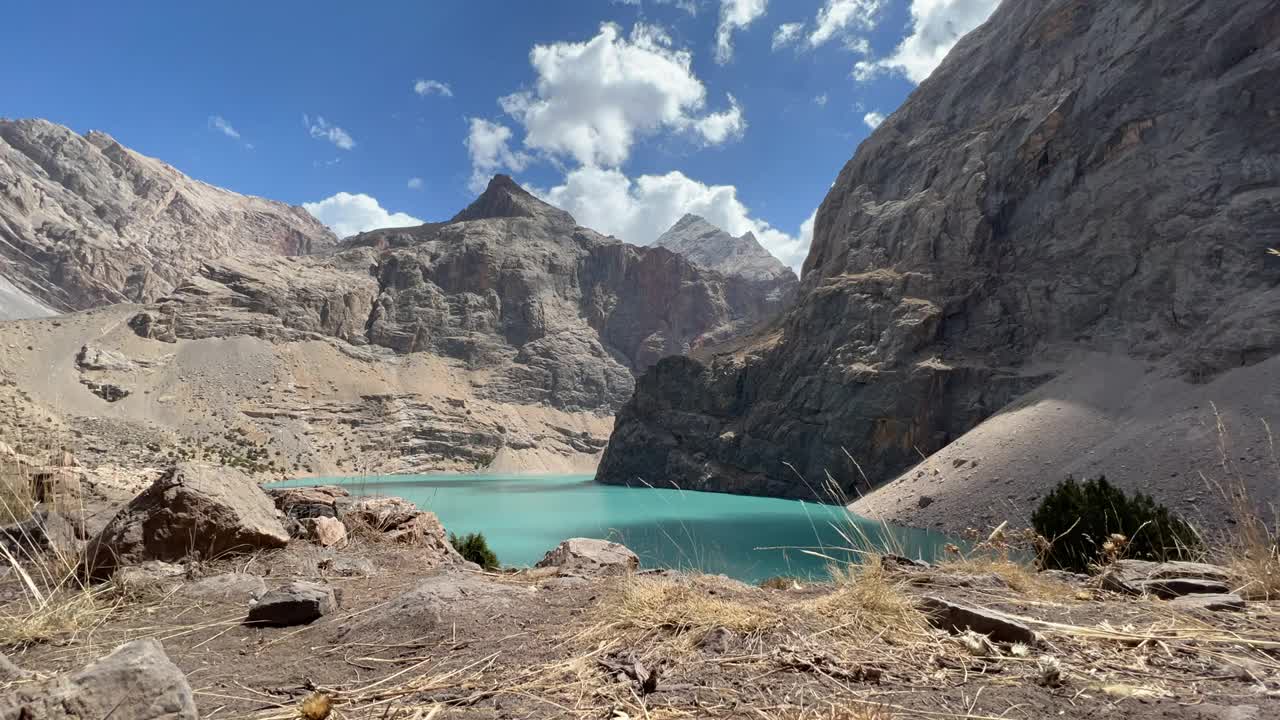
<point>227,587</point>
<point>591,558</point>
<point>1217,602</point>
<point>1132,577</point>
<point>956,618</point>
<point>297,603</point>
<point>435,602</point>
<point>136,681</point>
<point>1169,588</point>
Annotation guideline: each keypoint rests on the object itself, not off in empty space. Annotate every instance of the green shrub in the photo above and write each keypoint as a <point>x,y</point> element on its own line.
<point>1081,518</point>
<point>475,548</point>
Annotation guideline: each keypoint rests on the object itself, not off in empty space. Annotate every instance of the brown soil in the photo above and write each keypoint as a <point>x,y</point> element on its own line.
<point>527,645</point>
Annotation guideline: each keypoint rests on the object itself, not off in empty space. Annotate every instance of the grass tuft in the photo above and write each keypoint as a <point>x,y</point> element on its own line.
<point>866,600</point>
<point>683,606</point>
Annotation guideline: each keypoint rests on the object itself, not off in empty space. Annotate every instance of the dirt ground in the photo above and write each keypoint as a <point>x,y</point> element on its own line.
<point>666,645</point>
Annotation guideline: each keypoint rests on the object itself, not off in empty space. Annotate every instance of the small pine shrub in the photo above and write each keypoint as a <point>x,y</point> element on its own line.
<point>475,548</point>
<point>1081,519</point>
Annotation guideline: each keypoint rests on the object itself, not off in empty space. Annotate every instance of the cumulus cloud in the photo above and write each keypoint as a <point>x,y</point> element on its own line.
<point>415,183</point>
<point>219,123</point>
<point>427,87</point>
<point>717,128</point>
<point>837,16</point>
<point>320,129</point>
<point>347,214</point>
<point>640,210</point>
<point>735,15</point>
<point>937,25</point>
<point>787,34</point>
<point>821,100</point>
<point>592,100</point>
<point>490,149</point>
<point>873,119</point>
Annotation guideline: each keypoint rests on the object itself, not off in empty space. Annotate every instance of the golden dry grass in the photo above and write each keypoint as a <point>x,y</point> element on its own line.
<point>1022,578</point>
<point>839,712</point>
<point>645,606</point>
<point>866,600</point>
<point>1251,549</point>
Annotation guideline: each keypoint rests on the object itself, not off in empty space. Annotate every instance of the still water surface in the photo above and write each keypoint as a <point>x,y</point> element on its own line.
<point>748,538</point>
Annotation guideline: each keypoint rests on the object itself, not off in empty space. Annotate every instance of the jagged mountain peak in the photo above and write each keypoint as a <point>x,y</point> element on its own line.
<point>504,198</point>
<point>706,244</point>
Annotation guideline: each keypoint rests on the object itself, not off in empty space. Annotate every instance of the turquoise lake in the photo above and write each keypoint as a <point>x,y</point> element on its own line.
<point>749,538</point>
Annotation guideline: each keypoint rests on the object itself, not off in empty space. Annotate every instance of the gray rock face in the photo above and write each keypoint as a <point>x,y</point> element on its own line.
<point>739,259</point>
<point>1075,176</point>
<point>135,681</point>
<point>85,222</point>
<point>558,314</point>
<point>957,617</point>
<point>194,509</point>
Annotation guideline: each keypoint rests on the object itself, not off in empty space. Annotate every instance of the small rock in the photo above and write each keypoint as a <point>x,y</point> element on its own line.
<point>1217,602</point>
<point>956,618</point>
<point>297,603</point>
<point>564,582</point>
<point>718,640</point>
<point>326,531</point>
<point>924,501</point>
<point>42,532</point>
<point>590,557</point>
<point>149,576</point>
<point>136,681</point>
<point>308,502</point>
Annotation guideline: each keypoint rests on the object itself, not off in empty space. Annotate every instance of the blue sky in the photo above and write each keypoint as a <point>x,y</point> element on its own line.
<point>628,114</point>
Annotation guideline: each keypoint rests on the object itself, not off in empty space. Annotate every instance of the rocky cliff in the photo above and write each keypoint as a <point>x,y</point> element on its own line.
<point>86,222</point>
<point>505,338</point>
<point>1076,179</point>
<point>740,259</point>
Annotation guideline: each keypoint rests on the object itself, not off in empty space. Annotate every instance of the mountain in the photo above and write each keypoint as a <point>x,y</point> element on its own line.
<point>505,338</point>
<point>711,247</point>
<point>86,222</point>
<point>1062,232</point>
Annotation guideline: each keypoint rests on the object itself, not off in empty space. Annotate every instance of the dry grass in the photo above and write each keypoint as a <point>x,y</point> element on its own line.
<point>840,712</point>
<point>643,606</point>
<point>1021,577</point>
<point>1252,548</point>
<point>868,601</point>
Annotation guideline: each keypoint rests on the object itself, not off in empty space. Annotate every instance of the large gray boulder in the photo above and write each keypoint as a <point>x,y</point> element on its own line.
<point>297,603</point>
<point>194,509</point>
<point>136,681</point>
<point>590,557</point>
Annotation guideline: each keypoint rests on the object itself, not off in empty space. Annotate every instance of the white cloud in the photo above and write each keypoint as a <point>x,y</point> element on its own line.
<point>593,99</point>
<point>322,130</point>
<point>640,210</point>
<point>347,214</point>
<point>219,123</point>
<point>786,34</point>
<point>415,183</point>
<point>873,119</point>
<point>937,25</point>
<point>735,15</point>
<point>719,127</point>
<point>838,15</point>
<point>489,146</point>
<point>427,87</point>
<point>858,45</point>
<point>821,100</point>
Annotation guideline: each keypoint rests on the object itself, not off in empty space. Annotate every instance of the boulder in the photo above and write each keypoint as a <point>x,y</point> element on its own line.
<point>1209,601</point>
<point>436,602</point>
<point>136,681</point>
<point>590,557</point>
<point>297,603</point>
<point>308,502</point>
<point>957,618</point>
<point>325,531</point>
<point>193,509</point>
<point>92,357</point>
<point>378,513</point>
<point>344,566</point>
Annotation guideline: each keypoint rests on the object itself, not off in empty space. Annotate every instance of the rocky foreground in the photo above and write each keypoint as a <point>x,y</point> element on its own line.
<point>206,596</point>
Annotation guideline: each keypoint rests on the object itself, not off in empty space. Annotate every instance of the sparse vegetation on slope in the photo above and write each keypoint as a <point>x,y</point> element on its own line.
<point>474,548</point>
<point>1087,523</point>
